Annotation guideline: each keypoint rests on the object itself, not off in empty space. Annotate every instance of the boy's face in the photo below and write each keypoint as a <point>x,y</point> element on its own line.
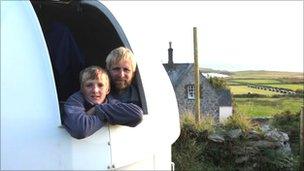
<point>122,74</point>
<point>96,90</point>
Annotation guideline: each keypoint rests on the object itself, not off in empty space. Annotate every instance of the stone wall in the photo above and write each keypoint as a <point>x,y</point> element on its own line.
<point>253,150</point>
<point>209,100</point>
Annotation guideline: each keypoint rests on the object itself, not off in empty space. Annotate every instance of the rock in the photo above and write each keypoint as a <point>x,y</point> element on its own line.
<point>234,134</point>
<point>252,150</point>
<point>285,147</point>
<point>216,138</point>
<point>275,135</point>
<point>253,135</point>
<point>238,150</point>
<point>265,128</point>
<point>241,159</point>
<point>248,168</point>
<point>264,144</point>
<point>241,150</point>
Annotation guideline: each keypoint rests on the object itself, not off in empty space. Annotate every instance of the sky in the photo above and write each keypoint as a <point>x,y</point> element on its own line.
<point>232,35</point>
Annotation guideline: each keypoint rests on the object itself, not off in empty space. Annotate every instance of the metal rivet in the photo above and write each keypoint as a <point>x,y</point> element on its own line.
<point>109,167</point>
<point>109,143</point>
<point>113,166</point>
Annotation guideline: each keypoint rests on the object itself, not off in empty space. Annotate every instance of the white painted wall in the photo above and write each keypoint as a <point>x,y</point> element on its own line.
<point>225,112</point>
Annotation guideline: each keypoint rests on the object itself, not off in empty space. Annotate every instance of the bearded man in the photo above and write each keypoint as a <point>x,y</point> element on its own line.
<point>121,65</point>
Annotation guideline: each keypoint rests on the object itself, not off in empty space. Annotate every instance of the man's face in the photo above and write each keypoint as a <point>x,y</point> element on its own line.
<point>121,74</point>
<point>96,90</point>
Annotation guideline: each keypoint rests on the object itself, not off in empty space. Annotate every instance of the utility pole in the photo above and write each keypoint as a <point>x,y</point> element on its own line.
<point>197,78</point>
<point>302,139</point>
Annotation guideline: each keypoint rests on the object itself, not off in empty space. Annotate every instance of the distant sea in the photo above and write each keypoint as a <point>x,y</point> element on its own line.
<point>210,74</point>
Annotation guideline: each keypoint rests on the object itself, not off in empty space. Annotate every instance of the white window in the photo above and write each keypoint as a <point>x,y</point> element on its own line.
<point>190,91</point>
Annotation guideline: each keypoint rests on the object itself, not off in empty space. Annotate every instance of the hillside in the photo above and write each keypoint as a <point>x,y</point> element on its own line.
<point>267,74</point>
<point>257,74</point>
<point>209,70</point>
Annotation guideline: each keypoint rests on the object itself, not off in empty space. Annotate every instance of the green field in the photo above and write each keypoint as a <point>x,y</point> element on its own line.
<point>289,80</point>
<point>237,90</point>
<point>269,106</point>
<point>261,107</point>
<point>256,81</point>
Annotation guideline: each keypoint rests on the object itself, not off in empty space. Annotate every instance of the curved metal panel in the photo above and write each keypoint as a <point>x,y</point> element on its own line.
<point>30,136</point>
<point>109,15</point>
<point>29,107</point>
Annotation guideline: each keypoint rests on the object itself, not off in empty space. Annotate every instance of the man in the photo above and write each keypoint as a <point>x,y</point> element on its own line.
<point>121,65</point>
<point>87,110</point>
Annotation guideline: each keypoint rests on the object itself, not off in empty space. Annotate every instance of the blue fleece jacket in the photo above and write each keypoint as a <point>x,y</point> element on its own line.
<point>80,124</point>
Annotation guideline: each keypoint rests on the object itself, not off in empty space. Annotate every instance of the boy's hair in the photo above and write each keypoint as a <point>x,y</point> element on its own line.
<point>92,73</point>
<point>118,54</point>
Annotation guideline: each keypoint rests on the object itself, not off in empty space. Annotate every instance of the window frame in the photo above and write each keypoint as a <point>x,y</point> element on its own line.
<point>191,92</point>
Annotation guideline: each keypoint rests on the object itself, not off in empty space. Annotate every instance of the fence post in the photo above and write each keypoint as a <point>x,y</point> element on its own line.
<point>302,139</point>
<point>197,78</point>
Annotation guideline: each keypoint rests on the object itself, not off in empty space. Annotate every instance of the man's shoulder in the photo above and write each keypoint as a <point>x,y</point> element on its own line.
<point>130,95</point>
<point>112,99</point>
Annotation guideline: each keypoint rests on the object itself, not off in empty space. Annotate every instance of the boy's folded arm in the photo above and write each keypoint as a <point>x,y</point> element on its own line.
<point>78,123</point>
<point>116,112</point>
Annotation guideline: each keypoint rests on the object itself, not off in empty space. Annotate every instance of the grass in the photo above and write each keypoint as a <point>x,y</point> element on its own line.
<point>205,124</point>
<point>264,107</point>
<point>239,121</point>
<point>293,87</point>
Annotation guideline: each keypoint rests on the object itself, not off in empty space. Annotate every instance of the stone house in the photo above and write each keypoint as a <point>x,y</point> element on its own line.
<point>214,102</point>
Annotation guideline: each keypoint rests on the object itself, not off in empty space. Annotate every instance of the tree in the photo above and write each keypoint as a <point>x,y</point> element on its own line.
<point>218,83</point>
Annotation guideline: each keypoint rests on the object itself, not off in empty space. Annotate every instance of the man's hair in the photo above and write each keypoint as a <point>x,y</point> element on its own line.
<point>92,73</point>
<point>118,54</point>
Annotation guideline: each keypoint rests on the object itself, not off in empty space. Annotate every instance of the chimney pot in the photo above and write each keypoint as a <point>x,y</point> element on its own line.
<point>170,55</point>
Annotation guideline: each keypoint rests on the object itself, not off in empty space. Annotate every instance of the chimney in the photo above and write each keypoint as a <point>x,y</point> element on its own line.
<point>170,56</point>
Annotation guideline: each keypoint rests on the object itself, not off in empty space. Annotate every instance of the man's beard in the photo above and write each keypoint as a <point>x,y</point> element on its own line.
<point>121,85</point>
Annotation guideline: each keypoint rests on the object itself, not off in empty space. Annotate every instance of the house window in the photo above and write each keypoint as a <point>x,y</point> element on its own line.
<point>190,91</point>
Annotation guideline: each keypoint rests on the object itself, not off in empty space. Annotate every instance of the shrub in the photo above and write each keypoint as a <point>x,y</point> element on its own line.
<point>218,83</point>
<point>187,150</point>
<point>300,91</point>
<point>206,123</point>
<point>290,123</point>
<point>186,153</point>
<point>250,95</point>
<point>288,95</point>
<point>239,121</point>
<point>275,160</point>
